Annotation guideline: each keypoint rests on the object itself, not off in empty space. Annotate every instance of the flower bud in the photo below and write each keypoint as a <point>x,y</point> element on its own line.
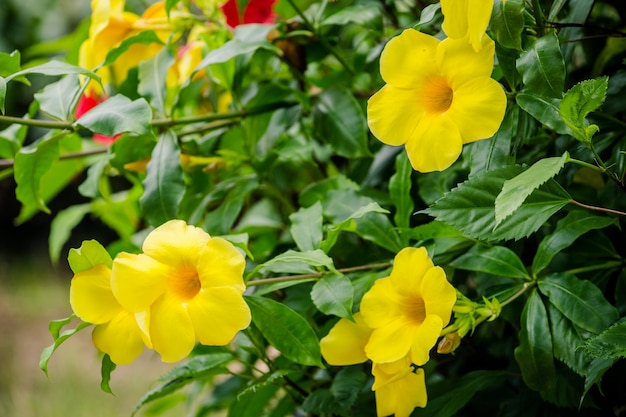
<point>449,343</point>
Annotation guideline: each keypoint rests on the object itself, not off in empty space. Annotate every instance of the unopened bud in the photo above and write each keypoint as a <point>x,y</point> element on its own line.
<point>449,343</point>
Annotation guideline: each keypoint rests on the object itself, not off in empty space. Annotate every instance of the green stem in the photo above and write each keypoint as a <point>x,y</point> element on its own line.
<point>587,165</point>
<point>590,268</point>
<point>521,291</point>
<point>538,15</point>
<point>595,208</point>
<point>48,124</point>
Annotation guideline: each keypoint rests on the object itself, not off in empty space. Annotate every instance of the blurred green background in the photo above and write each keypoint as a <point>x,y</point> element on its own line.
<point>32,290</point>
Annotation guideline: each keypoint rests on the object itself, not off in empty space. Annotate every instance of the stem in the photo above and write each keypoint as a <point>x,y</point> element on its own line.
<point>521,291</point>
<point>538,15</point>
<point>605,265</point>
<point>49,124</point>
<point>70,155</point>
<point>587,165</point>
<point>603,209</point>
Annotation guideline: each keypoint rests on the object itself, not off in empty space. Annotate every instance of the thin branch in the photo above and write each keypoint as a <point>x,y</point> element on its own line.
<point>603,209</point>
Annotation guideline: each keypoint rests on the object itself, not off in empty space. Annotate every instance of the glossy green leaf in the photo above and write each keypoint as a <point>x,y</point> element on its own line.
<point>507,23</point>
<point>495,152</point>
<point>57,99</point>
<point>579,101</point>
<point>118,114</point>
<point>534,353</point>
<point>517,189</point>
<point>89,254</point>
<point>194,369</point>
<point>107,367</point>
<point>400,191</point>
<point>568,229</point>
<point>542,67</point>
<point>333,295</point>
<point>59,337</point>
<point>338,119</point>
<point>469,207</point>
<point>306,227</point>
<point>496,260</point>
<point>360,13</point>
<point>286,330</point>
<point>427,14</point>
<point>61,228</point>
<point>610,344</point>
<point>164,186</point>
<point>296,262</point>
<point>580,301</point>
<point>544,109</point>
<point>507,62</point>
<point>153,79</point>
<point>567,340</point>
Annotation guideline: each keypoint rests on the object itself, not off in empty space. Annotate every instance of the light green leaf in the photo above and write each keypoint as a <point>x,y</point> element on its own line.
<point>544,109</point>
<point>59,337</point>
<point>3,93</point>
<point>534,354</point>
<point>306,227</point>
<point>568,229</point>
<point>360,13</point>
<point>90,254</point>
<point>292,261</point>
<point>610,344</point>
<point>579,101</point>
<point>105,370</point>
<point>580,301</point>
<point>164,186</point>
<point>427,14</point>
<point>53,68</point>
<point>118,114</point>
<point>333,295</point>
<point>507,23</point>
<point>57,100</point>
<point>338,119</point>
<point>152,79</point>
<point>61,228</point>
<point>248,38</point>
<point>400,191</point>
<point>542,67</point>
<point>286,330</point>
<point>517,189</point>
<point>145,37</point>
<point>496,260</point>
<point>90,188</point>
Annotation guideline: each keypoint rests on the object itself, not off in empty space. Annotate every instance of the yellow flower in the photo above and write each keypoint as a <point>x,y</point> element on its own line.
<point>345,343</point>
<point>466,18</point>
<point>118,331</point>
<point>399,387</point>
<point>407,309</point>
<point>191,284</point>
<point>438,96</point>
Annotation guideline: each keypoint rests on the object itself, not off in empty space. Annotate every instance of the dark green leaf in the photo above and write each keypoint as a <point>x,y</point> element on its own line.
<point>517,189</point>
<point>220,221</point>
<point>579,101</point>
<point>580,301</point>
<point>469,207</point>
<point>306,227</point>
<point>534,354</point>
<point>567,340</point>
<point>61,228</point>
<point>90,254</point>
<point>544,109</point>
<point>400,191</point>
<point>507,23</point>
<point>542,67</point>
<point>347,385</point>
<point>107,367</point>
<point>333,294</point>
<point>610,344</point>
<point>568,229</point>
<point>495,260</point>
<point>507,61</point>
<point>253,403</point>
<point>118,114</point>
<point>286,330</point>
<point>55,330</point>
<point>321,402</point>
<point>595,372</point>
<point>339,120</point>
<point>57,99</point>
<point>164,185</point>
<point>494,153</point>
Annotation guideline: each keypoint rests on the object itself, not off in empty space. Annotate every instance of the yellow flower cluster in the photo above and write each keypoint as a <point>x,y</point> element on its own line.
<point>185,287</point>
<point>438,94</point>
<point>400,320</point>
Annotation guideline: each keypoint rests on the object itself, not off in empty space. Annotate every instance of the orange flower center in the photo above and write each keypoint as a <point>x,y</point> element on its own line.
<point>415,310</point>
<point>437,95</point>
<point>186,283</point>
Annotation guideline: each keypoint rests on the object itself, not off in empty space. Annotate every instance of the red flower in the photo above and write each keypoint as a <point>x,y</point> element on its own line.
<point>86,103</point>
<point>257,11</point>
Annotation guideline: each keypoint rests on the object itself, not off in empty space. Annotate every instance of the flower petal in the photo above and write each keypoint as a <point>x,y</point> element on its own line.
<point>458,62</point>
<point>402,396</point>
<point>438,294</point>
<point>435,144</point>
<point>221,265</point>
<point>138,280</point>
<point>217,314</point>
<point>381,304</point>
<point>478,16</point>
<point>345,343</point>
<point>175,243</point>
<point>408,58</point>
<point>424,338</point>
<point>391,342</point>
<point>120,338</point>
<point>91,297</point>
<point>409,267</point>
<point>478,109</point>
<point>455,23</point>
<point>171,329</point>
<point>393,114</point>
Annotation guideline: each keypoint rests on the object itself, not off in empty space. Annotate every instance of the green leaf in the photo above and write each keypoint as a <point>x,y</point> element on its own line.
<point>248,38</point>
<point>57,99</point>
<point>9,63</point>
<point>61,228</point>
<point>90,188</point>
<point>164,186</point>
<point>54,68</point>
<point>580,301</point>
<point>517,189</point>
<point>59,337</point>
<point>595,372</point>
<point>469,207</point>
<point>333,295</point>
<point>90,254</point>
<point>105,370</point>
<point>358,13</point>
<point>610,344</point>
<point>3,93</point>
<point>145,37</point>
<point>153,79</point>
<point>118,114</point>
<point>544,109</point>
<point>253,403</point>
<point>496,260</point>
<point>400,191</point>
<point>192,370</point>
<point>221,220</point>
<point>507,23</point>
<point>306,227</point>
<point>286,330</point>
<point>542,67</point>
<point>338,119</point>
<point>347,385</point>
<point>507,61</point>
<point>567,340</point>
<point>298,262</point>
<point>579,101</point>
<point>568,229</point>
<point>31,163</point>
<point>534,354</point>
<point>494,153</point>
